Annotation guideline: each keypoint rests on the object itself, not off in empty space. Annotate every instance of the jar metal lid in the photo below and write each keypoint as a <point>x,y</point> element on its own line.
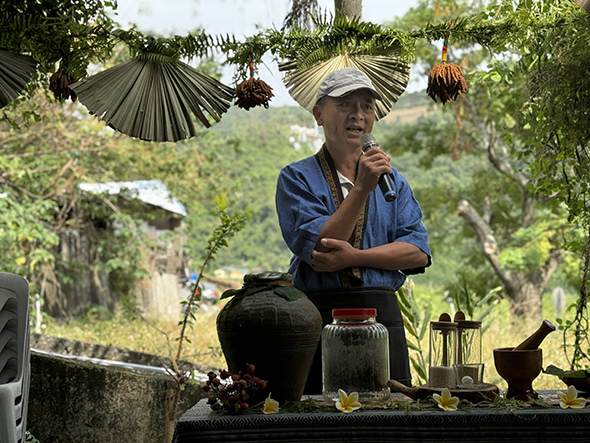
<point>354,313</point>
<point>469,324</point>
<point>443,325</point>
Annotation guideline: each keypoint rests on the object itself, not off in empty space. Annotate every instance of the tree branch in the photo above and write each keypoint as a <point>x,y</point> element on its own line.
<point>485,235</point>
<point>497,150</point>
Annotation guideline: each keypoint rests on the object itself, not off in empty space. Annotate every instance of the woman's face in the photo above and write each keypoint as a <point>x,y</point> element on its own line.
<point>345,119</point>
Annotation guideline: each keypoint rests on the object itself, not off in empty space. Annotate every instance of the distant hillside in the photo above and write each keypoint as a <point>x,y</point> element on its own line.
<point>410,107</point>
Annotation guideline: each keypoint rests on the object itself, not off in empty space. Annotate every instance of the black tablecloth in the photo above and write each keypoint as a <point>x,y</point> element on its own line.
<point>530,424</point>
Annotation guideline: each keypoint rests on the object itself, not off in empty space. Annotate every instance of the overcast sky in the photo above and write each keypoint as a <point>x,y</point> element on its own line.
<point>241,18</point>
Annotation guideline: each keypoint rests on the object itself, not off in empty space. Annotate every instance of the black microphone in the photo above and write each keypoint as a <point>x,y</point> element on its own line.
<point>386,180</point>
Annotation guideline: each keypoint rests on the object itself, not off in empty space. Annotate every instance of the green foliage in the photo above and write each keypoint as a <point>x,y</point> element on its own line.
<point>430,22</point>
<point>532,98</point>
<point>554,370</point>
<point>340,35</point>
<point>31,438</point>
<point>531,245</point>
<point>253,147</point>
<point>512,404</point>
<point>468,301</point>
<point>530,102</point>
<point>490,121</point>
<point>228,226</point>
<point>416,321</point>
<point>551,56</point>
<point>43,162</point>
<point>554,61</point>
<point>72,34</point>
<point>576,341</point>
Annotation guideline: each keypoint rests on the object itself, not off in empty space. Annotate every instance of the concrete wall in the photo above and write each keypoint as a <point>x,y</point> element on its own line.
<point>76,400</point>
<point>67,346</point>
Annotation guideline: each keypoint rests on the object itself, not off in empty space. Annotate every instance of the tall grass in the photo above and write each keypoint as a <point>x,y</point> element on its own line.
<point>106,329</point>
<point>116,330</point>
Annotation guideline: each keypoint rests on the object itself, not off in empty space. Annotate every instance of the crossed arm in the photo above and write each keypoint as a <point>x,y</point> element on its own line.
<point>333,252</point>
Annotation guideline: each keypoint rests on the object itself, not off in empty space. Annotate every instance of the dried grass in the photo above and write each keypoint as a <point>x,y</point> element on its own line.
<point>204,347</point>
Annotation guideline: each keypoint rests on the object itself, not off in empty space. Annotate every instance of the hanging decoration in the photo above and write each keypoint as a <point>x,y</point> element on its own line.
<point>383,53</point>
<point>15,72</point>
<point>59,84</point>
<point>335,47</point>
<point>152,96</point>
<point>253,92</point>
<point>445,80</point>
<point>389,76</point>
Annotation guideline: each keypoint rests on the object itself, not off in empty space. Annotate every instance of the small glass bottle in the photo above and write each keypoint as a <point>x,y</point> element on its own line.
<point>443,341</point>
<point>468,342</point>
<point>355,355</point>
<point>468,361</point>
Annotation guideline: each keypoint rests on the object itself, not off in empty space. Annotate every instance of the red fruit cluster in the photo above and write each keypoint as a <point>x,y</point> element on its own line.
<point>231,392</point>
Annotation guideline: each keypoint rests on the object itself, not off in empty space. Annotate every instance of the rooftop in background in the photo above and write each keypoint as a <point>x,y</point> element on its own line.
<point>152,192</point>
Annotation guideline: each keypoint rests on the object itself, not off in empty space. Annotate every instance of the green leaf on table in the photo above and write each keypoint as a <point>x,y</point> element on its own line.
<point>554,370</point>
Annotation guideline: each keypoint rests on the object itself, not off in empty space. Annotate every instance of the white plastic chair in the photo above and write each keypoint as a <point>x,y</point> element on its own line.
<point>15,366</point>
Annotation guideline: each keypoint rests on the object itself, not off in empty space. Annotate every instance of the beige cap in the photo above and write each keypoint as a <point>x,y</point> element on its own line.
<point>344,81</point>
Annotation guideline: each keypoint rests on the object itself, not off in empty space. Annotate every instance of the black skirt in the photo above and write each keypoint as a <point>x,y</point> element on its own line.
<point>389,315</point>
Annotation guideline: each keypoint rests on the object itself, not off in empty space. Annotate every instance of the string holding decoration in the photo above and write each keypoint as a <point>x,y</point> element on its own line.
<point>446,80</point>
<point>253,92</point>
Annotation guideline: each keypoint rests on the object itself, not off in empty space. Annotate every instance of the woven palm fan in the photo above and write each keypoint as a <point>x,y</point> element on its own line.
<point>15,72</point>
<point>388,75</point>
<point>153,100</point>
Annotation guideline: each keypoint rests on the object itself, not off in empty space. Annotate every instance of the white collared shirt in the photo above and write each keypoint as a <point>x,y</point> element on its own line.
<point>345,184</point>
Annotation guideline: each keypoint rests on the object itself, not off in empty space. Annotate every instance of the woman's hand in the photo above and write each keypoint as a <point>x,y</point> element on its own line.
<point>339,255</point>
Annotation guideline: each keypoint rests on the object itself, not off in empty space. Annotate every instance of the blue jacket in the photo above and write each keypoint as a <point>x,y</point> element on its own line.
<point>304,203</point>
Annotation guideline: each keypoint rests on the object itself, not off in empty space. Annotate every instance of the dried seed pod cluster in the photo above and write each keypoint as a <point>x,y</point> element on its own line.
<point>232,393</point>
<point>59,84</point>
<point>446,82</point>
<point>253,92</point>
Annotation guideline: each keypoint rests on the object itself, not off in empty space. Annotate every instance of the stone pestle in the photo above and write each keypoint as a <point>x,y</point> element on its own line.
<point>537,337</point>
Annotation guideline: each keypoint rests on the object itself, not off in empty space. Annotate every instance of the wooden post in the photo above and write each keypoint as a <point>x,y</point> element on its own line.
<point>350,8</point>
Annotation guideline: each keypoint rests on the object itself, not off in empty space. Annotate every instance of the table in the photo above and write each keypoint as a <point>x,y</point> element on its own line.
<point>531,424</point>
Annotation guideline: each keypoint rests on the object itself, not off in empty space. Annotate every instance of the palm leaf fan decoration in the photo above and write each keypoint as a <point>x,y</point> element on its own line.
<point>15,72</point>
<point>151,97</point>
<point>388,75</point>
<point>348,43</point>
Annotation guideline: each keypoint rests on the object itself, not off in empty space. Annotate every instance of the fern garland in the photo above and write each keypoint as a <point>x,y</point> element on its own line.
<point>329,38</point>
<point>177,47</point>
<point>74,41</point>
<point>68,39</point>
<point>493,34</point>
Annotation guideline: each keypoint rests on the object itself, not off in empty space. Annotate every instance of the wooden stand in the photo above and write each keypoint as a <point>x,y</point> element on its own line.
<point>481,392</point>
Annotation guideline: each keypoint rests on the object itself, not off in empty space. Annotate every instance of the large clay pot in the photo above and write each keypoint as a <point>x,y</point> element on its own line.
<point>273,326</point>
